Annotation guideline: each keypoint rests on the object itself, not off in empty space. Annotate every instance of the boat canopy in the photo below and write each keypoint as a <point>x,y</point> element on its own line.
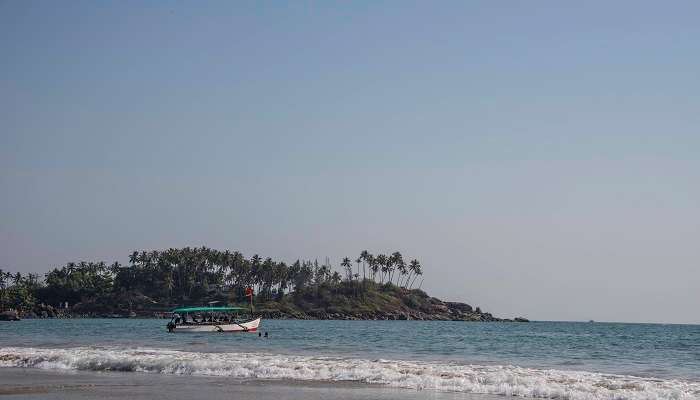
<point>206,309</point>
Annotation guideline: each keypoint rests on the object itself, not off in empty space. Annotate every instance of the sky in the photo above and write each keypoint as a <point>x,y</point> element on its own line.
<point>540,159</point>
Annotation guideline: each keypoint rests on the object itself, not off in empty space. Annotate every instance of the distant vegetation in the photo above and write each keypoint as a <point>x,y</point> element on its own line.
<point>200,275</point>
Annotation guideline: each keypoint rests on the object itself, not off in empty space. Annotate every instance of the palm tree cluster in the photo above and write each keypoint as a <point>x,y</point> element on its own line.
<point>75,281</point>
<point>17,291</point>
<point>193,274</point>
<point>384,268</point>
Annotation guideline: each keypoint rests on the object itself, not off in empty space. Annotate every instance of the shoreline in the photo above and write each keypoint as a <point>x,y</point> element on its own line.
<point>86,369</point>
<point>283,318</point>
<point>392,307</point>
<point>24,383</point>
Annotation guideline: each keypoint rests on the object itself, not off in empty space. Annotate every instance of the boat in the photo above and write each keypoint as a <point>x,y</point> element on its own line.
<point>211,319</point>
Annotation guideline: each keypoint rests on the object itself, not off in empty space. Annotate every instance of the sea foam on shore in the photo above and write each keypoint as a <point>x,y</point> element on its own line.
<point>493,379</point>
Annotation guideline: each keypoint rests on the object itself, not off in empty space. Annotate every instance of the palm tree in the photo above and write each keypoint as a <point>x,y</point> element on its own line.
<point>373,266</point>
<point>2,290</point>
<point>412,269</point>
<point>417,271</point>
<point>32,280</point>
<point>402,270</point>
<point>70,267</point>
<point>282,278</point>
<point>169,283</point>
<point>324,273</point>
<point>255,270</point>
<point>397,260</point>
<point>335,278</point>
<point>364,256</point>
<point>133,257</point>
<point>17,279</point>
<point>348,268</point>
<point>382,260</point>
<point>379,265</point>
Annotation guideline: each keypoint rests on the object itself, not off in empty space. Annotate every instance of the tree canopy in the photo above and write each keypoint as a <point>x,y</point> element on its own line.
<point>191,275</point>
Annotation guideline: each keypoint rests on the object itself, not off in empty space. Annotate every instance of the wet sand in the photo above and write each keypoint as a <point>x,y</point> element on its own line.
<point>18,383</point>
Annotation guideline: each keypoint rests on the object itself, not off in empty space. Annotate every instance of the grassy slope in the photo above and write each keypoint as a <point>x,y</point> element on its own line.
<point>374,302</point>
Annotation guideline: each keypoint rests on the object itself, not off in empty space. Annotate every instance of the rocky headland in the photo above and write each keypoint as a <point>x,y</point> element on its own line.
<point>380,303</point>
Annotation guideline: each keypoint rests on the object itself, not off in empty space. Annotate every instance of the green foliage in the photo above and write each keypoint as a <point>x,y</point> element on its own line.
<point>74,282</point>
<point>196,275</point>
<point>17,291</point>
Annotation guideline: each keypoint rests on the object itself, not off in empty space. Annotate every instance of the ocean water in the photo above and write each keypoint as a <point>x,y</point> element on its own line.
<point>556,360</point>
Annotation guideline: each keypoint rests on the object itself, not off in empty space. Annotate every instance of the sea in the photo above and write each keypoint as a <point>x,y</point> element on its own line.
<point>391,359</point>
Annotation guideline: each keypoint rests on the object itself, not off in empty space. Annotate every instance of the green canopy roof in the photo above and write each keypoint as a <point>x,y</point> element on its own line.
<point>205,309</point>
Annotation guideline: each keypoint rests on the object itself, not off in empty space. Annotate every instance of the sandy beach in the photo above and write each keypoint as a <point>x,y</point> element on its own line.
<point>17,383</point>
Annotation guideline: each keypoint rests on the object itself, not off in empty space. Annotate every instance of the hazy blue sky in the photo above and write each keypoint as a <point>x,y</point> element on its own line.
<point>539,158</point>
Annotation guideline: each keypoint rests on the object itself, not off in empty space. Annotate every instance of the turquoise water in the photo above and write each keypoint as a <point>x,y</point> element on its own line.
<point>327,350</point>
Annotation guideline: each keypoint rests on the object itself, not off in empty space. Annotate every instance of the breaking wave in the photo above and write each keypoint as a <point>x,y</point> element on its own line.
<point>502,380</point>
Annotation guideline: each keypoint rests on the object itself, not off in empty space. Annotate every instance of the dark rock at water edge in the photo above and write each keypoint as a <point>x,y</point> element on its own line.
<point>9,316</point>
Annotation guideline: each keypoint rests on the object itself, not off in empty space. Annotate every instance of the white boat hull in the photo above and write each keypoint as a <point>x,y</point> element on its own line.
<point>249,326</point>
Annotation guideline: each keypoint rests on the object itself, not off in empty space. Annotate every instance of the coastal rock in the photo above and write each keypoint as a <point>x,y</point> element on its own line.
<point>440,308</point>
<point>461,307</point>
<point>44,311</point>
<point>9,316</point>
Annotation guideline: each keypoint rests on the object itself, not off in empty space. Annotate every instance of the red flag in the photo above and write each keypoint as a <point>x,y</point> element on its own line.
<point>249,291</point>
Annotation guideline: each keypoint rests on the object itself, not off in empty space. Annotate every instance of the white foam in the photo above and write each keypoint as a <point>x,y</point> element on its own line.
<point>503,380</point>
